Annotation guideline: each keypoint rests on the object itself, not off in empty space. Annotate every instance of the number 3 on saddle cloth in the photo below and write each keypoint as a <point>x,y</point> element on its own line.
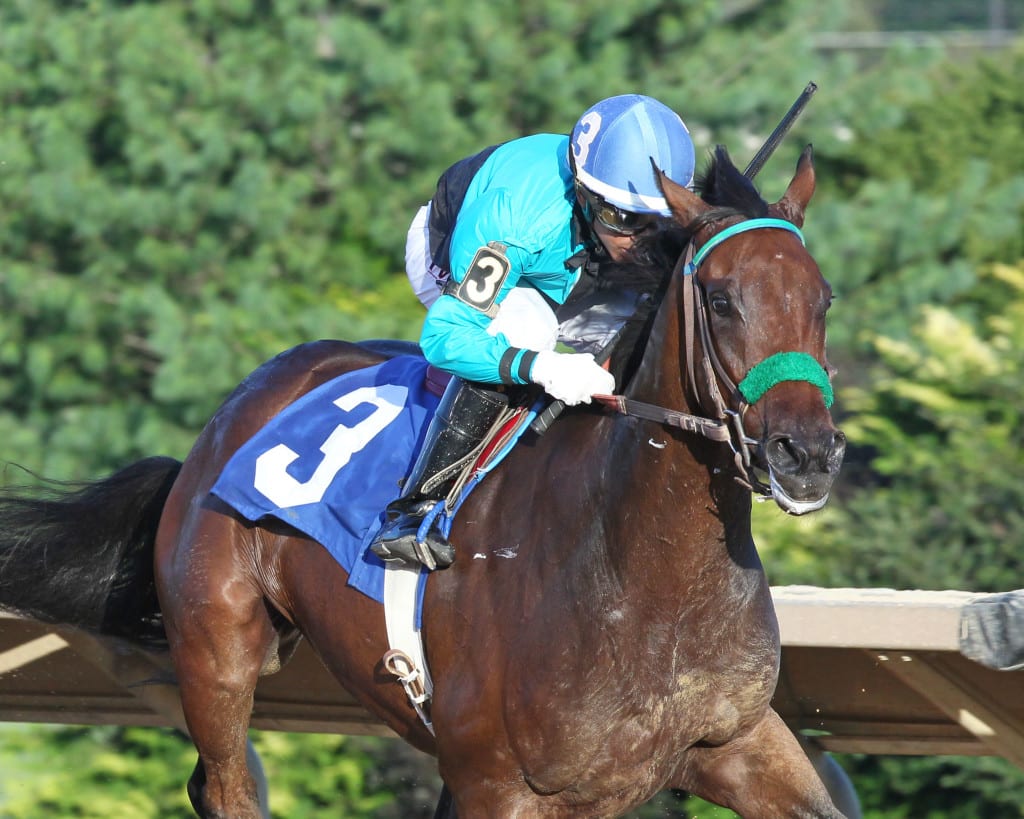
<point>308,466</point>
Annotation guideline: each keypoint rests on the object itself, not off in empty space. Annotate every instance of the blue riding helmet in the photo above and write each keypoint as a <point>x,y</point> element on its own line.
<point>612,146</point>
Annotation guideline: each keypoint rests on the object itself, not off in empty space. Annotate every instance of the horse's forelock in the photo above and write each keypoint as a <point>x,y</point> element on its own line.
<point>723,185</point>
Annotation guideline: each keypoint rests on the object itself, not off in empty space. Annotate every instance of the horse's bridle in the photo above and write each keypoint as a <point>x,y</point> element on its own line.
<point>727,423</point>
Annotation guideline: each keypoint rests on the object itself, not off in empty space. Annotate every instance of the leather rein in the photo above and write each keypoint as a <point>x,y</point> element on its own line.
<point>726,425</point>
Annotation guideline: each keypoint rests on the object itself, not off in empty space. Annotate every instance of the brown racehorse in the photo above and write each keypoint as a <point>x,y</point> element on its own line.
<point>629,646</point>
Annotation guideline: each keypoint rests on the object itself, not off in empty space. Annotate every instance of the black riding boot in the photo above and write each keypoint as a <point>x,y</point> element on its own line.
<point>467,410</point>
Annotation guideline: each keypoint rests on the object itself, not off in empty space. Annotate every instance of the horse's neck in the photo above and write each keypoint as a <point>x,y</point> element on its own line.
<point>697,516</point>
<point>659,378</point>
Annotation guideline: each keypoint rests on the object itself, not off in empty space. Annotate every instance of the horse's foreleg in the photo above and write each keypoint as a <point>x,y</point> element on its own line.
<point>836,781</point>
<point>762,775</point>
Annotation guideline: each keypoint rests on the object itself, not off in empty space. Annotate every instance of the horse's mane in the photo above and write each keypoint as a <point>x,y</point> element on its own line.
<point>723,185</point>
<point>655,254</point>
<point>648,272</point>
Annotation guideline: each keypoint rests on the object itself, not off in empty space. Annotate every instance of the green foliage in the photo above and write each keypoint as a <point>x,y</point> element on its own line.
<point>974,113</point>
<point>321,775</point>
<point>138,773</point>
<point>918,225</point>
<point>190,187</point>
<point>937,504</point>
<point>902,788</point>
<point>112,772</point>
<point>941,424</point>
<point>917,202</point>
<point>182,202</point>
<point>672,804</point>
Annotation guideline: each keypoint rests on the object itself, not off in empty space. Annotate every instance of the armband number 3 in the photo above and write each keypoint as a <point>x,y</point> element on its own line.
<point>482,283</point>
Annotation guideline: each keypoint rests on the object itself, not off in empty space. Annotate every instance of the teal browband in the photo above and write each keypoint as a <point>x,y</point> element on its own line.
<point>740,227</point>
<point>781,366</point>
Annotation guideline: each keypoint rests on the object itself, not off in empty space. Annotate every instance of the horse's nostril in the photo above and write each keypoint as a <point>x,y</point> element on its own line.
<point>837,451</point>
<point>785,455</point>
<point>789,456</point>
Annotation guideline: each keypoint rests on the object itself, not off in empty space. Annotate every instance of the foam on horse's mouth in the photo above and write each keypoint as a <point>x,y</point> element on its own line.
<point>791,505</point>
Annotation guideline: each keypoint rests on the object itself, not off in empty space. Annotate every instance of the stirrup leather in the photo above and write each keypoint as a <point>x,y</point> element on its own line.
<point>464,419</point>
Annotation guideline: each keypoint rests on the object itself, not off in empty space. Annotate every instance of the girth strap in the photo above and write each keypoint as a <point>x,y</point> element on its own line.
<point>405,658</point>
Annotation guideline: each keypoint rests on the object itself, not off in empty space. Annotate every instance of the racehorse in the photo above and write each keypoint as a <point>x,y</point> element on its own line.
<point>626,644</point>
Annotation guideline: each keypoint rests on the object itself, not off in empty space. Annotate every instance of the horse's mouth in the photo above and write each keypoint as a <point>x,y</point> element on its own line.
<point>793,506</point>
<point>801,469</point>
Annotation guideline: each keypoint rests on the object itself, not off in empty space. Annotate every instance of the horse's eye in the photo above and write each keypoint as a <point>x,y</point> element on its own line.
<point>720,304</point>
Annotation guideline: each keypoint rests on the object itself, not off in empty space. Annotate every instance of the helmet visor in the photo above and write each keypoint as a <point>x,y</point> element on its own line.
<point>613,218</point>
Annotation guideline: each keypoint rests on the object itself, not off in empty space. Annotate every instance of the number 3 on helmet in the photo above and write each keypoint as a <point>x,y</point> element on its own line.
<point>612,146</point>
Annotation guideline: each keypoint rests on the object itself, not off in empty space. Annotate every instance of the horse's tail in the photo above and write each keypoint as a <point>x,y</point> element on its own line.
<point>82,554</point>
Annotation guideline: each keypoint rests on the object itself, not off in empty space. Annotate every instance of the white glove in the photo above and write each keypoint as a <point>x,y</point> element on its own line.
<point>571,377</point>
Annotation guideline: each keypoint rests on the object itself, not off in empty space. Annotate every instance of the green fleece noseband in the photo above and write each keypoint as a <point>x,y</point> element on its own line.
<point>785,367</point>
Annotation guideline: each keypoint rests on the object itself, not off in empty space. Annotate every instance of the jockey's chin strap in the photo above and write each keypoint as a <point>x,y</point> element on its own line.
<point>726,425</point>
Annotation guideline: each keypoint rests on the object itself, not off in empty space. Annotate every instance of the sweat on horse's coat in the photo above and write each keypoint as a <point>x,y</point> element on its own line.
<point>630,646</point>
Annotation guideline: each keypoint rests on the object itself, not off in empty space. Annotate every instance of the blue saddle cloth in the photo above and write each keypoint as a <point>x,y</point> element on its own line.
<point>330,462</point>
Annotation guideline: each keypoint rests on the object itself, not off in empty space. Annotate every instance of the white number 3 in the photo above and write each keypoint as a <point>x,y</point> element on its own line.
<point>272,478</point>
<point>591,125</point>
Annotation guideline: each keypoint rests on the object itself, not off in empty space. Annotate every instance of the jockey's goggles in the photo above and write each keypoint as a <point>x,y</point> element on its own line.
<point>615,219</point>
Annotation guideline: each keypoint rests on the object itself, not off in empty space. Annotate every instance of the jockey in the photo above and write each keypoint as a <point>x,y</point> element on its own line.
<point>507,237</point>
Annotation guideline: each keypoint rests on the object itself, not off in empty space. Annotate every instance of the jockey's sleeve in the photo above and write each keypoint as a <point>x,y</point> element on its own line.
<point>490,216</point>
<point>535,237</point>
<point>455,339</point>
<point>455,336</point>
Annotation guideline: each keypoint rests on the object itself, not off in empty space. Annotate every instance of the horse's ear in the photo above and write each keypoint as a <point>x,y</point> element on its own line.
<point>794,201</point>
<point>684,204</point>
